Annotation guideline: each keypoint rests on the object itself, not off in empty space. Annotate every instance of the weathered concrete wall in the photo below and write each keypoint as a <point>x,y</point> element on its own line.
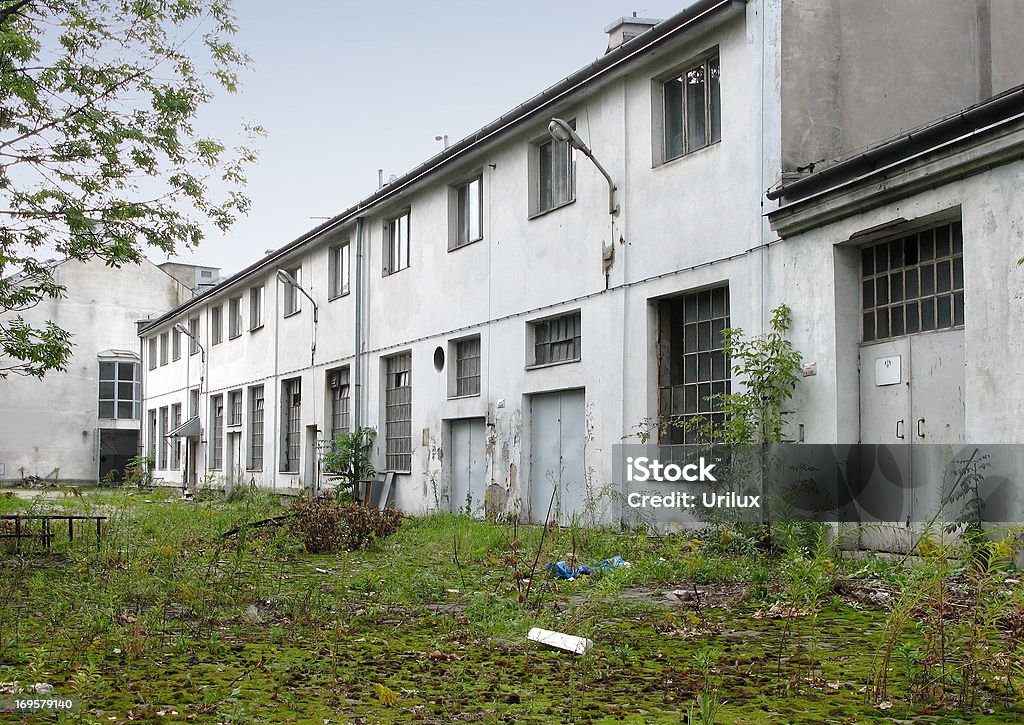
<point>49,427</point>
<point>856,72</point>
<point>675,218</point>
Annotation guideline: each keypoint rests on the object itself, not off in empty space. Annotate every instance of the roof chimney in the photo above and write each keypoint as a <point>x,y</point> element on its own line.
<point>624,30</point>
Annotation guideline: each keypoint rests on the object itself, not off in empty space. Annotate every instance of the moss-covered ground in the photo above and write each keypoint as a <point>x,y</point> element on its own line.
<point>165,621</point>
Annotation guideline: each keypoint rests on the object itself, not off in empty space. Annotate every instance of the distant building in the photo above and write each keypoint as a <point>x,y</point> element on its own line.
<point>82,425</point>
<point>502,318</point>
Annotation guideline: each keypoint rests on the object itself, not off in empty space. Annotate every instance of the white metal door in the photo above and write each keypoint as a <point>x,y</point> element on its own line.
<point>467,462</point>
<point>557,466</point>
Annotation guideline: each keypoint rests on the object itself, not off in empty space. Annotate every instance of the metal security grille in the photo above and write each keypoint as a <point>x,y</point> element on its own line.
<point>557,339</point>
<point>398,412</point>
<point>292,416</point>
<point>217,433</point>
<point>913,284</point>
<point>693,370</point>
<point>467,367</point>
<point>256,428</point>
<point>339,385</point>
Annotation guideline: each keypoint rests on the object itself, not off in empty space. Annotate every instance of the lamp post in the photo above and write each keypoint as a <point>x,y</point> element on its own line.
<point>562,131</point>
<point>287,279</point>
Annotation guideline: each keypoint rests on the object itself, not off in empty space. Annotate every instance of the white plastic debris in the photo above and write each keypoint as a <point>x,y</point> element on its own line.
<point>567,642</point>
<point>43,688</point>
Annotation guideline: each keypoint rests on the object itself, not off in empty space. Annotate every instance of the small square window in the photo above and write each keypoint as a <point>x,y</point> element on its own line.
<point>556,339</point>
<point>467,216</point>
<point>396,244</point>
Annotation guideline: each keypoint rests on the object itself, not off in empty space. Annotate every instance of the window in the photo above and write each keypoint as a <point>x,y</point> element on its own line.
<point>216,325</point>
<point>398,412</point>
<point>292,414</point>
<point>193,403</point>
<point>467,366</point>
<point>692,109</point>
<point>693,370</point>
<point>256,428</point>
<point>235,407</point>
<point>292,304</point>
<point>338,388</point>
<point>914,283</point>
<point>193,330</point>
<point>151,453</point>
<point>175,443</point>
<point>467,213</point>
<point>164,347</point>
<point>206,274</point>
<point>217,432</point>
<point>175,344</point>
<point>152,353</point>
<point>255,307</point>
<point>338,271</point>
<point>556,339</point>
<point>396,244</point>
<point>165,420</point>
<point>235,316</point>
<point>554,174</point>
<point>120,395</point>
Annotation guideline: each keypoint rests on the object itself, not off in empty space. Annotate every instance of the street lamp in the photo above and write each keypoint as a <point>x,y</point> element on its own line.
<point>185,331</point>
<point>562,131</point>
<point>287,279</point>
<point>189,453</point>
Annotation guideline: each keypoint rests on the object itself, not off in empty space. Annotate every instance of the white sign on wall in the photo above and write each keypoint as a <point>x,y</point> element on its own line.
<point>888,371</point>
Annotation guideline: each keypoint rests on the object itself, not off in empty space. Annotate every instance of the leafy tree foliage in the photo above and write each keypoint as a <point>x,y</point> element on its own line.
<point>99,156</point>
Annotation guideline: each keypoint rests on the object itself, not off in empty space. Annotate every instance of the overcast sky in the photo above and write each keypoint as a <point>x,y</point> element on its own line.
<point>345,87</point>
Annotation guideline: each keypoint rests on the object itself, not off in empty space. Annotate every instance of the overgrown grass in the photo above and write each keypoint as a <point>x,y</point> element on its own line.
<point>166,621</point>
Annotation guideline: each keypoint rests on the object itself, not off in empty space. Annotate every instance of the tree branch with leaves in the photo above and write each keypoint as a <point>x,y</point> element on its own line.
<point>99,153</point>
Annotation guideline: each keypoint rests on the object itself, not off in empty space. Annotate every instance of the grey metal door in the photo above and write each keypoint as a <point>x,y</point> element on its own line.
<point>911,393</point>
<point>467,462</point>
<point>557,465</point>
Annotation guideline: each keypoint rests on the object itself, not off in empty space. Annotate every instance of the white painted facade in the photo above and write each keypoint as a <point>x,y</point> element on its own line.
<point>51,428</point>
<point>697,222</point>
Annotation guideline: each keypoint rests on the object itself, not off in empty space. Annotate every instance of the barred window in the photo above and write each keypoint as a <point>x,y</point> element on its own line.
<point>292,402</point>
<point>217,432</point>
<point>338,385</point>
<point>556,339</point>
<point>693,369</point>
<point>913,284</point>
<point>398,412</point>
<point>467,366</point>
<point>256,428</point>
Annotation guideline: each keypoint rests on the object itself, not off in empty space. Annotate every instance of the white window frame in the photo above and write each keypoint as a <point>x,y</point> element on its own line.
<point>465,207</point>
<point>116,399</point>
<point>709,63</point>
<point>292,302</point>
<point>255,307</point>
<point>216,324</point>
<point>396,245</point>
<point>235,325</point>
<point>339,270</point>
<point>193,342</point>
<point>542,201</point>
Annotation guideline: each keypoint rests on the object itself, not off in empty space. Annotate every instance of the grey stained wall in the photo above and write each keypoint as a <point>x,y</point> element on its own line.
<point>855,72</point>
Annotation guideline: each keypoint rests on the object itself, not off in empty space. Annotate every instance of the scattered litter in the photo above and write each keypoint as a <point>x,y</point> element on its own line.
<point>321,571</point>
<point>253,614</point>
<point>563,570</point>
<point>43,688</point>
<point>567,642</point>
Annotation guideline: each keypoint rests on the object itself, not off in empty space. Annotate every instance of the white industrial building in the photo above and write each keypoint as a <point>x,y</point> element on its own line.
<point>82,425</point>
<point>503,314</point>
